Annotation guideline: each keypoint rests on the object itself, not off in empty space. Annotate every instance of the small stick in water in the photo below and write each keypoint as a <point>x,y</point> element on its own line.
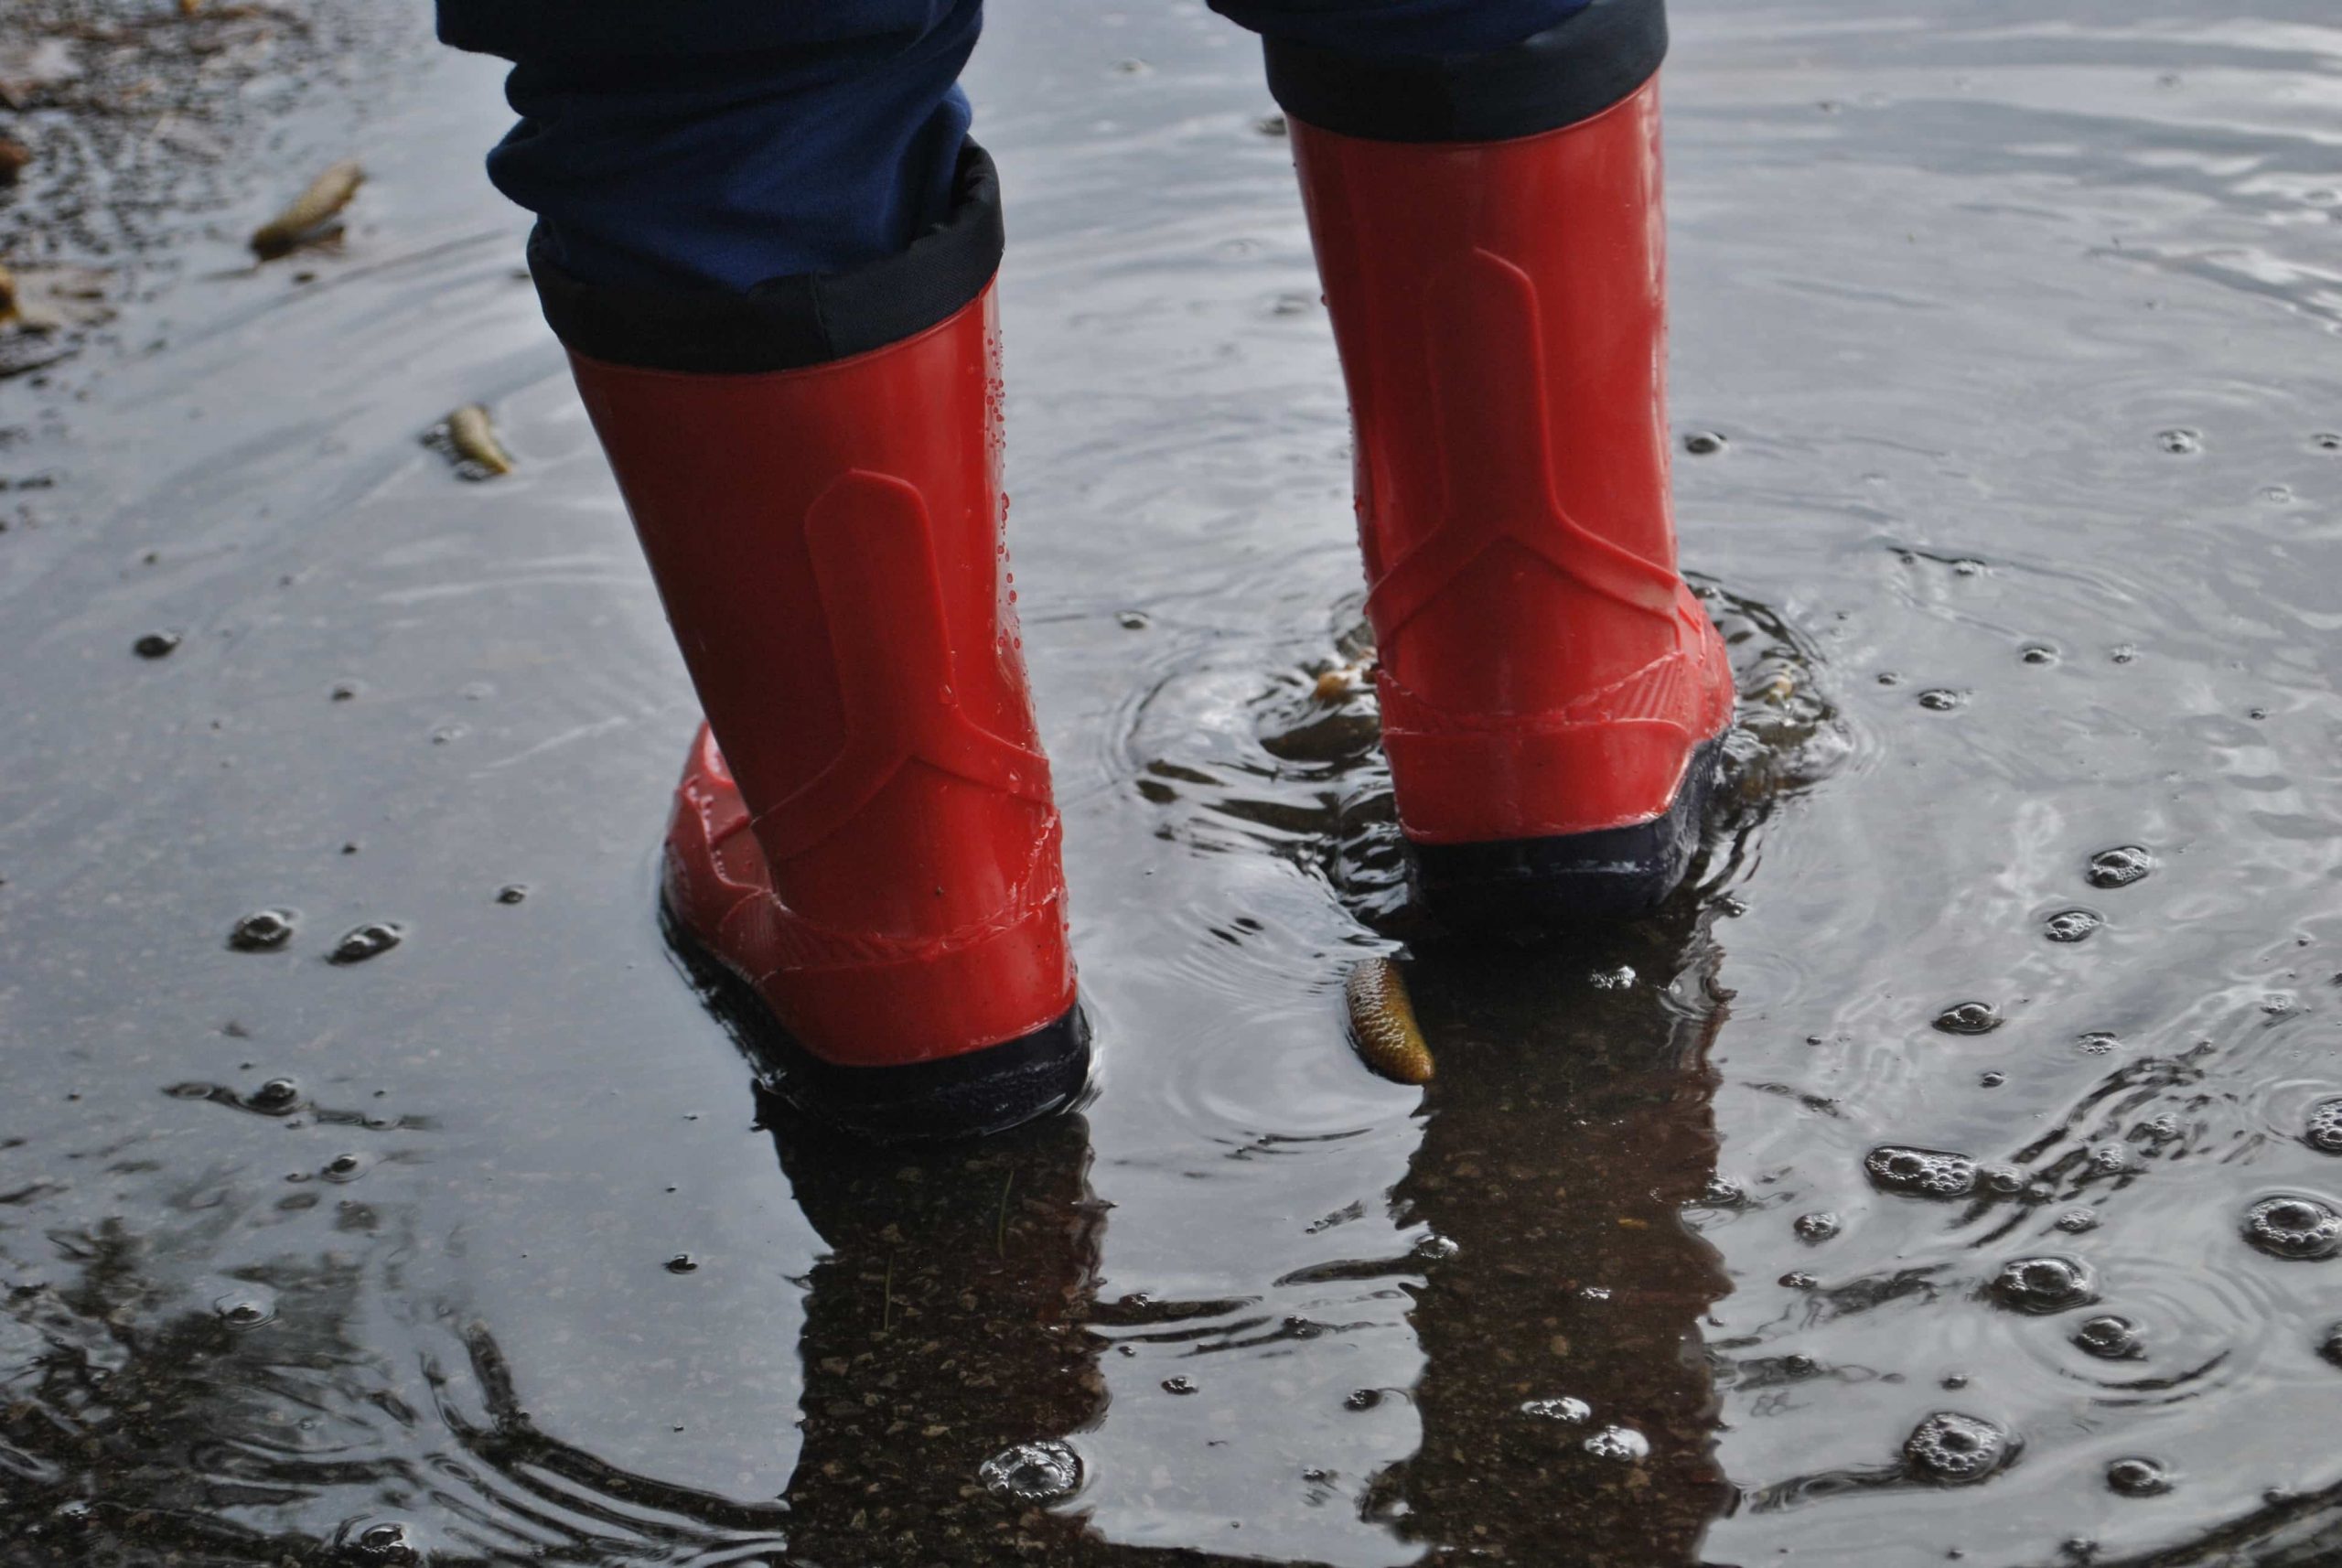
<point>327,195</point>
<point>1382,1023</point>
<point>478,454</point>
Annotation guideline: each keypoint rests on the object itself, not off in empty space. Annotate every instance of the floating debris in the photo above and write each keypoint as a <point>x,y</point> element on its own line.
<point>304,220</point>
<point>1339,681</point>
<point>470,439</point>
<point>1952,1449</point>
<point>1382,1023</point>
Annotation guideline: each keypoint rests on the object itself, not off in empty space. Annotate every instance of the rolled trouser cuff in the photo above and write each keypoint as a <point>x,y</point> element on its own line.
<point>793,322</point>
<point>1570,72</point>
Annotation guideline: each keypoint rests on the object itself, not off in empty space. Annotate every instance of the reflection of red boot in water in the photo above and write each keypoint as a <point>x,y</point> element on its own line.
<point>873,849</point>
<point>1489,233</point>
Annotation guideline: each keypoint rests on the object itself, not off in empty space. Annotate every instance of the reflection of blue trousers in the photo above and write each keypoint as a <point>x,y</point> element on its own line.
<point>696,144</point>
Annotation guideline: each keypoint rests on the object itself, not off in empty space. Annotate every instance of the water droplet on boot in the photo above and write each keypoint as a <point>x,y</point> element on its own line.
<point>2045,1285</point>
<point>2119,866</point>
<point>2137,1477</point>
<point>1922,1173</point>
<point>2110,1338</point>
<point>262,931</point>
<point>2293,1227</point>
<point>1040,1472</point>
<point>157,644</point>
<point>2071,925</point>
<point>366,941</point>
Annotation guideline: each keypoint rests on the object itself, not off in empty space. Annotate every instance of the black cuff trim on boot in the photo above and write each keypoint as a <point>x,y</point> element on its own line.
<point>1569,72</point>
<point>789,323</point>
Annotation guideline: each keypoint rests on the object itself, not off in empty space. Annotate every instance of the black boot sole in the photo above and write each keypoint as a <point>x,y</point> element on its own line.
<point>1569,879</point>
<point>965,1096</point>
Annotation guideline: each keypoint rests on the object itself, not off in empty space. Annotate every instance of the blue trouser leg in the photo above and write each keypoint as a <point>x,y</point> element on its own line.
<point>678,144</point>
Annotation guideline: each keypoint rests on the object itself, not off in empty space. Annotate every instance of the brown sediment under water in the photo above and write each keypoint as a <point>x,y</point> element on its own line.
<point>1950,1172</point>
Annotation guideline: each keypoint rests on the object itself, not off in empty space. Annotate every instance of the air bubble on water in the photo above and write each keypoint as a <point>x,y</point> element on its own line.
<point>2329,1344</point>
<point>2119,866</point>
<point>2122,653</point>
<point>1043,1472</point>
<point>1178,1385</point>
<point>343,691</point>
<point>262,931</point>
<point>1619,1443</point>
<point>2074,1221</point>
<point>2137,1477</point>
<point>1952,1449</point>
<point>157,644</point>
<point>2290,1226</point>
<point>1703,443</point>
<point>2112,1159</point>
<point>1890,678</point>
<point>1565,1409</point>
<point>2098,1042</point>
<point>1132,620</point>
<point>682,1264</point>
<point>1798,1278</point>
<point>344,1167</point>
<point>2327,441</point>
<point>1271,125</point>
<point>1597,1294</point>
<point>2324,1131</point>
<point>370,940</point>
<point>2045,1285</point>
<point>1922,1173</point>
<point>274,1098</point>
<point>1817,1226</point>
<point>1722,1192</point>
<point>1941,699</point>
<point>513,893</point>
<point>1362,1399</point>
<point>1617,979</point>
<point>1992,1079</point>
<point>2180,443</point>
<point>2111,1338</point>
<point>1968,1018</point>
<point>2071,925</point>
<point>2038,653</point>
<point>244,1309</point>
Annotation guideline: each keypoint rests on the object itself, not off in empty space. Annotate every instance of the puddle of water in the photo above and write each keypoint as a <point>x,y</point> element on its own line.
<point>2008,337</point>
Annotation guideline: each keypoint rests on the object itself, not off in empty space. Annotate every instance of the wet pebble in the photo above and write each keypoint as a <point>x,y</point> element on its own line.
<point>371,940</point>
<point>2137,1477</point>
<point>2180,443</point>
<point>1040,1472</point>
<point>1952,1449</point>
<point>2071,925</point>
<point>1703,443</point>
<point>2119,866</point>
<point>157,644</point>
<point>1941,699</point>
<point>1623,1443</point>
<point>1922,1173</point>
<point>2045,1285</point>
<point>2111,1338</point>
<point>1818,1227</point>
<point>2324,1130</point>
<point>1968,1018</point>
<point>1565,1409</point>
<point>262,931</point>
<point>2294,1227</point>
<point>1178,1385</point>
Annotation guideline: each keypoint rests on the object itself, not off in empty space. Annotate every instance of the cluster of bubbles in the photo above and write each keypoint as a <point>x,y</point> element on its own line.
<point>2119,866</point>
<point>1032,1472</point>
<point>1922,1173</point>
<point>1565,1409</point>
<point>2045,1285</point>
<point>268,930</point>
<point>2290,1226</point>
<point>2324,1131</point>
<point>2111,1338</point>
<point>1968,1018</point>
<point>1950,1449</point>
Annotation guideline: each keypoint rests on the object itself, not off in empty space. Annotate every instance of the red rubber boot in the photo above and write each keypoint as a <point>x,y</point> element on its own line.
<point>872,854</point>
<point>1489,234</point>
